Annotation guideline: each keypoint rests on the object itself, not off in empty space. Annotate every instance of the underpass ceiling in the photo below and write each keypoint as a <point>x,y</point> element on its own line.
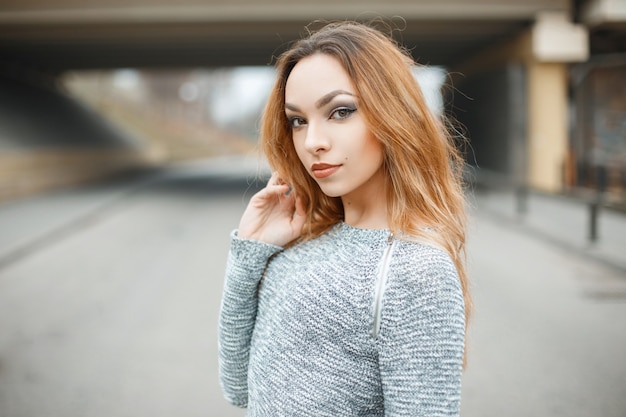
<point>221,44</point>
<point>68,37</point>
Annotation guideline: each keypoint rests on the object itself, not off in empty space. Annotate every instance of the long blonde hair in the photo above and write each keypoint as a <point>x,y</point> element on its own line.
<point>423,167</point>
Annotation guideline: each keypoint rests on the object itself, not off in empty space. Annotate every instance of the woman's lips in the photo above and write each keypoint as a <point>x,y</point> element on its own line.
<point>322,170</point>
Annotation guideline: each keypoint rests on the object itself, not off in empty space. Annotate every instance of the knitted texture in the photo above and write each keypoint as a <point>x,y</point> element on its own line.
<point>295,331</point>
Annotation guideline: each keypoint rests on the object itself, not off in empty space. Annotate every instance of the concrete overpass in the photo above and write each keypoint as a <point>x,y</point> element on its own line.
<point>489,41</point>
<point>68,34</point>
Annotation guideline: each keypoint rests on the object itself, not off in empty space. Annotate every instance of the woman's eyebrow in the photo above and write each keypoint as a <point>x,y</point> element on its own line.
<point>324,100</point>
<point>330,96</point>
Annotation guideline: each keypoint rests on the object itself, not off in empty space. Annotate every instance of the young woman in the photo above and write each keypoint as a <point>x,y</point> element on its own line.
<point>345,290</point>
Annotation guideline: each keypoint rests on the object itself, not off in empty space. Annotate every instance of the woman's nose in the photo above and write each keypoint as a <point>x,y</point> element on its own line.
<point>316,140</point>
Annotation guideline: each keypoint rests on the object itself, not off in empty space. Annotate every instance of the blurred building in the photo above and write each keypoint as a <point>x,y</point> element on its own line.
<point>537,84</point>
<point>546,108</point>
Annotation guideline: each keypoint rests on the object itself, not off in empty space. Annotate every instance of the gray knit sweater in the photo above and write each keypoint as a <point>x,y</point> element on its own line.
<point>352,323</point>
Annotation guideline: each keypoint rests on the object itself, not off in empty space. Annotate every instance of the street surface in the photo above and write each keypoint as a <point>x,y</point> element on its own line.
<point>109,299</point>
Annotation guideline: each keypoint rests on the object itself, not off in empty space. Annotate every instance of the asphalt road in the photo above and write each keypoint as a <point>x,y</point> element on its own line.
<point>109,299</point>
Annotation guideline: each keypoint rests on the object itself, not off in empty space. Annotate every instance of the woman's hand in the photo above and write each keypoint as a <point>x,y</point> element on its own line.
<point>273,215</point>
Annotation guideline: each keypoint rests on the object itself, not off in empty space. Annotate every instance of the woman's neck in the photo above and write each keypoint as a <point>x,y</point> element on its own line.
<point>366,213</point>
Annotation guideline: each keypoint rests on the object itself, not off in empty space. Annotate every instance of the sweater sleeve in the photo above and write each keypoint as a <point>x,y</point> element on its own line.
<point>246,264</point>
<point>421,339</point>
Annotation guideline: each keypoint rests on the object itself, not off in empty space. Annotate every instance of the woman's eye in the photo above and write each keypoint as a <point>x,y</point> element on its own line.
<point>342,113</point>
<point>296,122</point>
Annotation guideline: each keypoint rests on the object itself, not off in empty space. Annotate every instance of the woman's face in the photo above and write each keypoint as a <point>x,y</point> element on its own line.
<point>329,132</point>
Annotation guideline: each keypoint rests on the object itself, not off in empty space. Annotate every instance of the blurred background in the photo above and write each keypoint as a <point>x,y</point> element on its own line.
<point>128,149</point>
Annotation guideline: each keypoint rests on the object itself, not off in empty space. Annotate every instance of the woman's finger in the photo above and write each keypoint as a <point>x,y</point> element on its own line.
<point>275,179</point>
<point>298,218</point>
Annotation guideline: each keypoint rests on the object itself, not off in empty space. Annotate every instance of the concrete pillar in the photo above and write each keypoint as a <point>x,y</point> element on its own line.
<point>547,129</point>
<point>554,43</point>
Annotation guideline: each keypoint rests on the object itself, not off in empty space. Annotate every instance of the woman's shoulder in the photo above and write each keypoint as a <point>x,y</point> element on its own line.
<point>419,262</point>
<point>419,250</point>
